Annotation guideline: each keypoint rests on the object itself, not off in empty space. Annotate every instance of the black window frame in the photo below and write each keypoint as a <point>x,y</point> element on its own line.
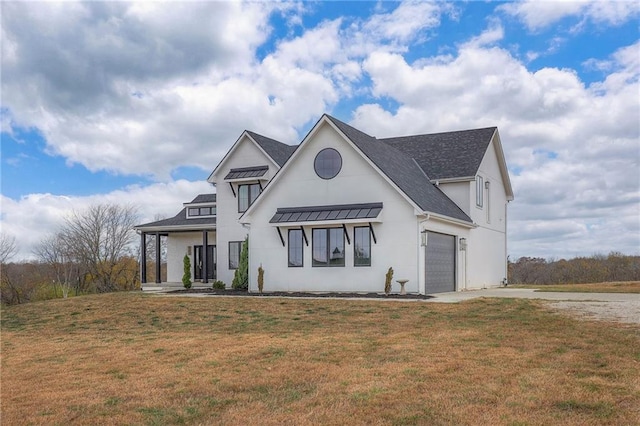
<point>251,194</point>
<point>355,246</point>
<point>301,248</point>
<point>317,163</point>
<point>239,251</point>
<point>201,211</point>
<point>328,264</point>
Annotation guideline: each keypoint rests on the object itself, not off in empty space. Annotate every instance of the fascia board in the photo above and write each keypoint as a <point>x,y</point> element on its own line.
<point>502,163</point>
<point>274,180</point>
<point>447,219</point>
<point>376,168</point>
<point>244,134</point>
<point>454,180</point>
<point>176,228</point>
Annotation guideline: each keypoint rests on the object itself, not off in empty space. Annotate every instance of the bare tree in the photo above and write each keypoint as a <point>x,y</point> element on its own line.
<point>100,240</point>
<point>55,252</point>
<point>8,247</point>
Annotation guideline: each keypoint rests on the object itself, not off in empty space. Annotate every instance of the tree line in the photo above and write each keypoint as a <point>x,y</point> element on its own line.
<point>580,270</point>
<point>91,252</point>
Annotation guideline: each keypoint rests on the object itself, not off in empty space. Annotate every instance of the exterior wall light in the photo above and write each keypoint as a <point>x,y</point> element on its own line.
<point>423,238</point>
<point>462,244</point>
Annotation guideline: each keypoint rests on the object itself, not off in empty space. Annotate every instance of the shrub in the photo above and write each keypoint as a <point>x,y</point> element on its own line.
<point>186,278</point>
<point>241,277</point>
<point>387,281</point>
<point>218,285</point>
<point>260,278</point>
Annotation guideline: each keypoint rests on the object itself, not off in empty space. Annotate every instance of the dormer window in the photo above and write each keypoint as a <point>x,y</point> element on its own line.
<point>201,212</point>
<point>247,194</point>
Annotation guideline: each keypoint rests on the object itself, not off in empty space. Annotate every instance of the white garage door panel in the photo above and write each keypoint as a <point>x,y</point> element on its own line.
<point>440,263</point>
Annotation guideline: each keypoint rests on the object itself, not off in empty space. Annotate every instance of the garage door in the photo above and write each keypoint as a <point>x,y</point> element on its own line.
<point>440,263</point>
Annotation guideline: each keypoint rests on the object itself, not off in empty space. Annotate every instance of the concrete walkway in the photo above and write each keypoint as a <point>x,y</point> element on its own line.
<point>528,293</point>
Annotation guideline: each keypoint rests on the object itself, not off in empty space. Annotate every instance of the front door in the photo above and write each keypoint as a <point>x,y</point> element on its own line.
<point>211,262</point>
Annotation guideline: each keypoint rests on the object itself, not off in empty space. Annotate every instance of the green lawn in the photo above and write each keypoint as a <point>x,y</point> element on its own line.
<point>131,358</point>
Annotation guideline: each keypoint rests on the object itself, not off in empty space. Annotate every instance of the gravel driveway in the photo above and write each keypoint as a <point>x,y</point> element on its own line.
<point>621,307</point>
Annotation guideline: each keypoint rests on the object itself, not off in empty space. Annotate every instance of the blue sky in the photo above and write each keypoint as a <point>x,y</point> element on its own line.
<point>137,102</point>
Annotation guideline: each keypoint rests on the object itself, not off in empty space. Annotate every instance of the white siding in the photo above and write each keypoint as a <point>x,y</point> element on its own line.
<point>246,154</point>
<point>397,236</point>
<point>177,247</point>
<point>487,248</point>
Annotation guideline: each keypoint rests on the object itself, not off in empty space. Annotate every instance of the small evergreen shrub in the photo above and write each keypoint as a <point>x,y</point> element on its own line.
<point>387,281</point>
<point>186,278</point>
<point>241,277</point>
<point>218,285</point>
<point>260,278</point>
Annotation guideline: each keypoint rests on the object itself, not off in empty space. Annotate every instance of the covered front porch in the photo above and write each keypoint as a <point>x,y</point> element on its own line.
<point>199,245</point>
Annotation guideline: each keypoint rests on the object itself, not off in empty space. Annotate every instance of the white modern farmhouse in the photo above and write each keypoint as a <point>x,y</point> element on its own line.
<point>334,213</point>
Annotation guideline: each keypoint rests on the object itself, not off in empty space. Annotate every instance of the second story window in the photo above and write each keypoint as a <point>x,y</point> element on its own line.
<point>201,211</point>
<point>479,191</point>
<point>247,194</point>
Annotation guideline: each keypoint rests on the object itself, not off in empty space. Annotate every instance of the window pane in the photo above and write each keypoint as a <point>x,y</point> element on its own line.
<point>255,191</point>
<point>243,198</point>
<point>234,254</point>
<point>295,247</point>
<point>213,210</point>
<point>336,246</point>
<point>205,211</point>
<point>327,163</point>
<point>479,191</point>
<point>361,246</point>
<point>319,247</point>
<point>193,211</point>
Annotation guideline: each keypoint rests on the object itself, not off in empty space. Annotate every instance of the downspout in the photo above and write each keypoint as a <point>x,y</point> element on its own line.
<point>422,258</point>
<point>505,281</point>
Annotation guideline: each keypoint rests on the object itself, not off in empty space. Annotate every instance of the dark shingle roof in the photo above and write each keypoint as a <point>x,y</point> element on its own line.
<point>278,151</point>
<point>246,172</point>
<point>204,198</point>
<point>181,218</point>
<point>446,155</point>
<point>333,212</point>
<point>404,172</point>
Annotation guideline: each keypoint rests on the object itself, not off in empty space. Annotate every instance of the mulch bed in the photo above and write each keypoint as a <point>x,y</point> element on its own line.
<point>216,292</point>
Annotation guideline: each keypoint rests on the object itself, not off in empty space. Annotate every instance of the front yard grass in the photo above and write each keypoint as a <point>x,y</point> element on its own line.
<point>131,358</point>
<point>606,287</point>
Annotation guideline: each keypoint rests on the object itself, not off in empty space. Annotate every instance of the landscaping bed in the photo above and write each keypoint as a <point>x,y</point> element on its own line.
<point>217,292</point>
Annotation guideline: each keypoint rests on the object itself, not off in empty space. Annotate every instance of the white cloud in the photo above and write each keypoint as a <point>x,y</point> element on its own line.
<point>574,147</point>
<point>46,212</point>
<point>138,88</point>
<point>537,15</point>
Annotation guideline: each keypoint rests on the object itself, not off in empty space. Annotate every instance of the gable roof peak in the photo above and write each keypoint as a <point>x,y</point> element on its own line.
<point>278,151</point>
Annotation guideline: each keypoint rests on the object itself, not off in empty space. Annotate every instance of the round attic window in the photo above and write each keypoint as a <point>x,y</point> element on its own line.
<point>328,163</point>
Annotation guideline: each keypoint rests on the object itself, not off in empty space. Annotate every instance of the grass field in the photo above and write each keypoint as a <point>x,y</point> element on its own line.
<point>131,358</point>
<point>614,287</point>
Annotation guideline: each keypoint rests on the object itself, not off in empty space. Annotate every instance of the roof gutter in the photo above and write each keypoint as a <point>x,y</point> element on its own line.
<point>439,217</point>
<point>453,180</point>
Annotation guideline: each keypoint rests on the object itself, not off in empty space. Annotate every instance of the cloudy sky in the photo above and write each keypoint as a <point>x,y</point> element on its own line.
<point>137,102</point>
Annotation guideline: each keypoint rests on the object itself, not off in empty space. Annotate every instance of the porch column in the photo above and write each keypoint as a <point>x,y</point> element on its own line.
<point>205,242</point>
<point>143,258</point>
<point>158,261</point>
